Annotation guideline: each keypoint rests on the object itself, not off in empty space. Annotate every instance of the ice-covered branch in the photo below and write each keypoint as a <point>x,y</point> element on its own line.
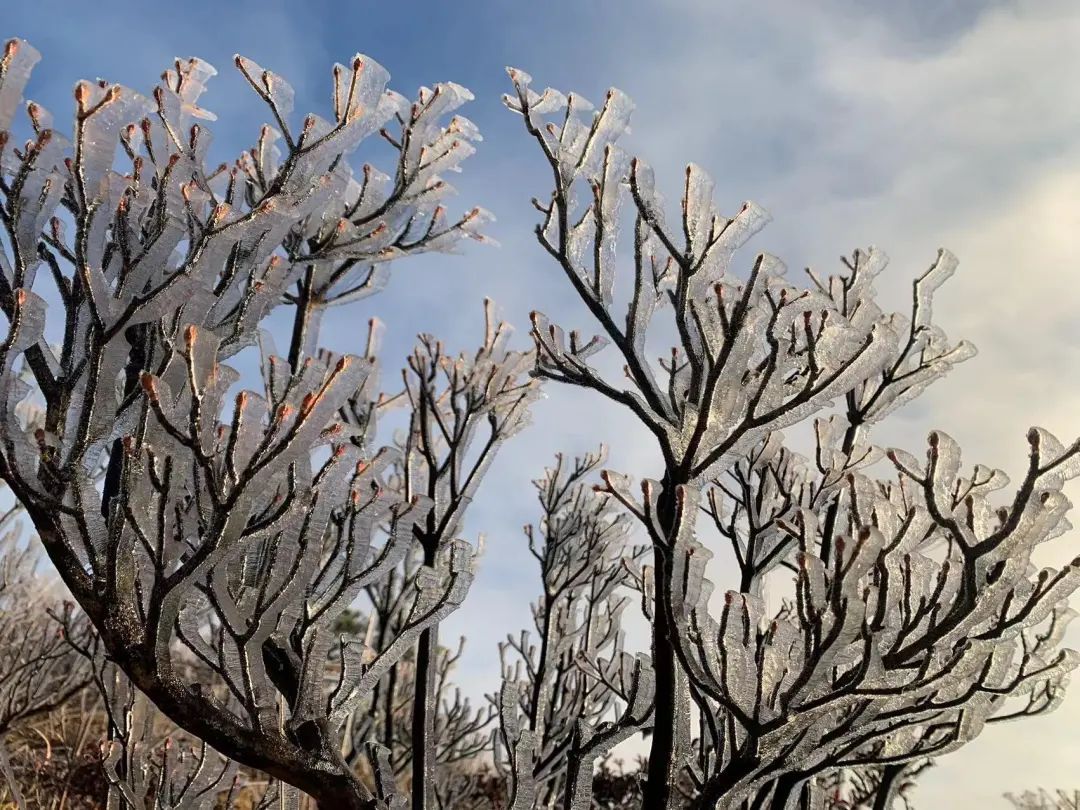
<point>572,693</point>
<point>231,529</point>
<point>916,615</point>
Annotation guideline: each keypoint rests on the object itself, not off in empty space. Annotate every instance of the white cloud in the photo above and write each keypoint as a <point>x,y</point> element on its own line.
<point>931,124</point>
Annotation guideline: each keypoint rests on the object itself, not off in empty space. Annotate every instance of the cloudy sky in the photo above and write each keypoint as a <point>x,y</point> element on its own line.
<point>910,124</point>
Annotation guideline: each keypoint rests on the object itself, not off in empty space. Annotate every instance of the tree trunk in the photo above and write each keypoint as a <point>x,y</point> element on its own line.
<point>672,712</point>
<point>323,775</point>
<point>424,708</point>
<point>788,786</point>
<point>302,320</point>
<point>890,783</point>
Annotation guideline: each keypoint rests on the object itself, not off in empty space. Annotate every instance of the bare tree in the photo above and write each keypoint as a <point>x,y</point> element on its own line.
<point>884,608</point>
<point>873,788</point>
<point>39,671</point>
<point>1044,800</point>
<point>916,610</point>
<point>460,733</point>
<point>56,757</point>
<point>236,532</point>
<point>573,693</point>
<point>451,399</point>
<point>150,764</point>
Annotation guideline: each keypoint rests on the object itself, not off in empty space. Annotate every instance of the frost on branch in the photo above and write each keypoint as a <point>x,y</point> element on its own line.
<point>572,693</point>
<point>753,353</point>
<point>149,764</point>
<point>928,622</point>
<point>233,528</point>
<point>877,786</point>
<point>910,613</point>
<point>463,408</point>
<point>1043,799</point>
<point>461,734</point>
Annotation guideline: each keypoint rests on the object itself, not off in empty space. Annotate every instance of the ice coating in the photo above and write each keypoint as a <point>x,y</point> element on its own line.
<point>876,620</point>
<point>218,536</point>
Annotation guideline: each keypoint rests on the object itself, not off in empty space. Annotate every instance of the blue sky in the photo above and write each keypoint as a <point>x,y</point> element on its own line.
<point>910,125</point>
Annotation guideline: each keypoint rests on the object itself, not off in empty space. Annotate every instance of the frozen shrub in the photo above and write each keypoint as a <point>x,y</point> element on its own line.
<point>232,529</point>
<point>916,614</point>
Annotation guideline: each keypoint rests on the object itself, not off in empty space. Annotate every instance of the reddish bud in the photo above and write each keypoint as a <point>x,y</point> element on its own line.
<point>217,216</point>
